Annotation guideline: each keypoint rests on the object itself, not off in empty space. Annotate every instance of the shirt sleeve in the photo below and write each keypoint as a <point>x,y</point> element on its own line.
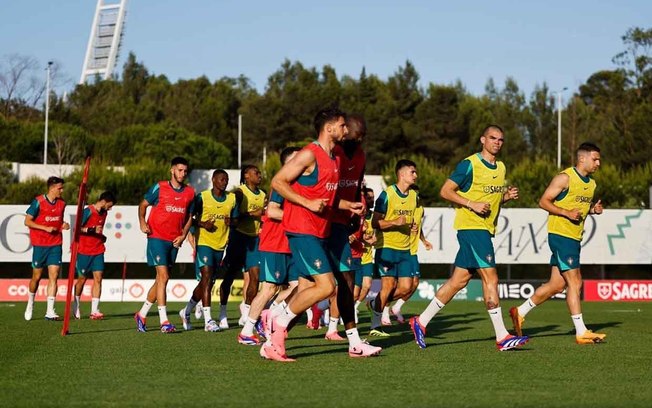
<point>463,175</point>
<point>235,211</point>
<point>381,203</point>
<point>33,208</point>
<point>276,198</point>
<point>152,194</point>
<point>86,215</point>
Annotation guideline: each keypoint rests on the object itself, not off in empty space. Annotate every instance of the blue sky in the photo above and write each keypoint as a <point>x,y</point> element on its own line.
<point>559,42</point>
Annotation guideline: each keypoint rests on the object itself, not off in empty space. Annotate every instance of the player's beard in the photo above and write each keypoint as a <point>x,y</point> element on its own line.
<point>349,145</point>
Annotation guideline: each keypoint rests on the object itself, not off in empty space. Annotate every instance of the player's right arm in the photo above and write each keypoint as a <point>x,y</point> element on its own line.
<point>32,213</point>
<point>142,210</point>
<point>547,201</point>
<point>302,163</point>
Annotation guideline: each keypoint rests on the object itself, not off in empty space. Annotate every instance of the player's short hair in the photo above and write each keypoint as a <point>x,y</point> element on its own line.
<point>179,160</point>
<point>54,180</point>
<point>244,171</point>
<point>356,123</point>
<point>108,197</point>
<point>220,171</point>
<point>587,147</point>
<point>285,153</point>
<point>490,127</point>
<point>366,190</point>
<point>404,163</point>
<point>325,116</point>
<point>414,187</point>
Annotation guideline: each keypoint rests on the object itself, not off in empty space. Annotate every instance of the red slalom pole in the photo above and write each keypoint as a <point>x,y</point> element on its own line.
<point>81,201</point>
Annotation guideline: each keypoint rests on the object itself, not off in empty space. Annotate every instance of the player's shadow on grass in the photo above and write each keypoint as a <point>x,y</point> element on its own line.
<point>100,331</point>
<point>595,327</point>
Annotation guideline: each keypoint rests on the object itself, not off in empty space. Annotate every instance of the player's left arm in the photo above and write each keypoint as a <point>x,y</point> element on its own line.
<point>424,240</point>
<point>596,208</point>
<point>511,193</point>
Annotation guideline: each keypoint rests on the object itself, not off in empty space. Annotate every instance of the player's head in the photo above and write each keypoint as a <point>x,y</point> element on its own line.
<point>588,157</point>
<point>492,139</point>
<point>55,186</point>
<point>331,121</point>
<point>406,171</point>
<point>250,174</point>
<point>220,179</point>
<point>107,200</point>
<point>288,153</point>
<point>369,197</point>
<point>179,169</point>
<point>357,128</point>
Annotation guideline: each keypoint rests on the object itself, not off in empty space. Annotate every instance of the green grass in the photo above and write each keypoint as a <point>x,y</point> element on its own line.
<point>107,363</point>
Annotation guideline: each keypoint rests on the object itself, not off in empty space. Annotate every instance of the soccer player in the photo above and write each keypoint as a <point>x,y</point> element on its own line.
<point>242,253</point>
<point>568,201</point>
<point>90,257</point>
<point>393,220</point>
<point>309,184</point>
<point>166,228</point>
<point>477,189</point>
<point>213,211</point>
<point>352,163</point>
<point>274,253</point>
<point>44,219</point>
<point>364,275</point>
<point>416,235</point>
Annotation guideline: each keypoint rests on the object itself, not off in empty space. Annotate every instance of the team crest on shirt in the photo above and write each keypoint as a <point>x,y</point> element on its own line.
<point>317,263</point>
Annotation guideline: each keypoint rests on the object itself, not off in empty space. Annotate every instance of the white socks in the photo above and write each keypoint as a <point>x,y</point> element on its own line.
<point>50,309</point>
<point>95,305</point>
<point>285,318</point>
<point>526,307</point>
<point>332,324</point>
<point>578,321</point>
<point>397,306</point>
<point>145,309</point>
<point>385,317</point>
<point>353,336</point>
<point>207,314</point>
<point>496,316</point>
<point>248,329</point>
<point>432,309</point>
<point>163,314</point>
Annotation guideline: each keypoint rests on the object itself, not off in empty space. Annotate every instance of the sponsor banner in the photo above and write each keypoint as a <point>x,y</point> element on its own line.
<point>113,290</point>
<point>618,290</point>
<point>615,237</point>
<point>522,289</point>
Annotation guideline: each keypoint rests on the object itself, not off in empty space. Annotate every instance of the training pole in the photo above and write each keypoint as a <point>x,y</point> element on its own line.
<point>81,201</point>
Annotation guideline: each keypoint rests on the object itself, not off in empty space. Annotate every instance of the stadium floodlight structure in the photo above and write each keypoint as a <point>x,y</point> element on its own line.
<point>105,39</point>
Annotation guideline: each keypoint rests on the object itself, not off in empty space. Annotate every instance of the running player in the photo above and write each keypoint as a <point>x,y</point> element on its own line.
<point>213,212</point>
<point>90,258</point>
<point>242,253</point>
<point>352,163</point>
<point>44,219</point>
<point>568,200</point>
<point>309,184</point>
<point>416,235</point>
<point>477,189</point>
<point>166,228</point>
<point>393,220</point>
<point>274,253</point>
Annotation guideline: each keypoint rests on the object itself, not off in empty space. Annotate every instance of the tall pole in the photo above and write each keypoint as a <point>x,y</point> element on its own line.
<point>239,141</point>
<point>47,112</point>
<point>559,127</point>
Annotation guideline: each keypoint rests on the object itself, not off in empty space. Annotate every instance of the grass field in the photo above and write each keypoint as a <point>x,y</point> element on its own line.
<point>108,363</point>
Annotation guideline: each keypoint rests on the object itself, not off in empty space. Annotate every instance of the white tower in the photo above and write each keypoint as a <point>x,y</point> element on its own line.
<point>105,39</point>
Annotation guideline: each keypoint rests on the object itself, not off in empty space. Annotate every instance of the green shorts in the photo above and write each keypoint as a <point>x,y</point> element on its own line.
<point>415,266</point>
<point>476,250</point>
<point>394,263</point>
<point>87,264</point>
<point>365,271</point>
<point>161,253</point>
<point>43,256</point>
<point>274,267</point>
<point>242,251</point>
<point>309,254</point>
<point>207,256</point>
<point>340,249</point>
<point>565,252</point>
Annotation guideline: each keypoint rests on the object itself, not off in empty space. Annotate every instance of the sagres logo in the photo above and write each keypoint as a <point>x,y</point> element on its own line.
<point>604,290</point>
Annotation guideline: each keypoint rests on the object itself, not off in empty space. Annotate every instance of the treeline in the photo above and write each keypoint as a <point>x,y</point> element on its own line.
<point>140,120</point>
